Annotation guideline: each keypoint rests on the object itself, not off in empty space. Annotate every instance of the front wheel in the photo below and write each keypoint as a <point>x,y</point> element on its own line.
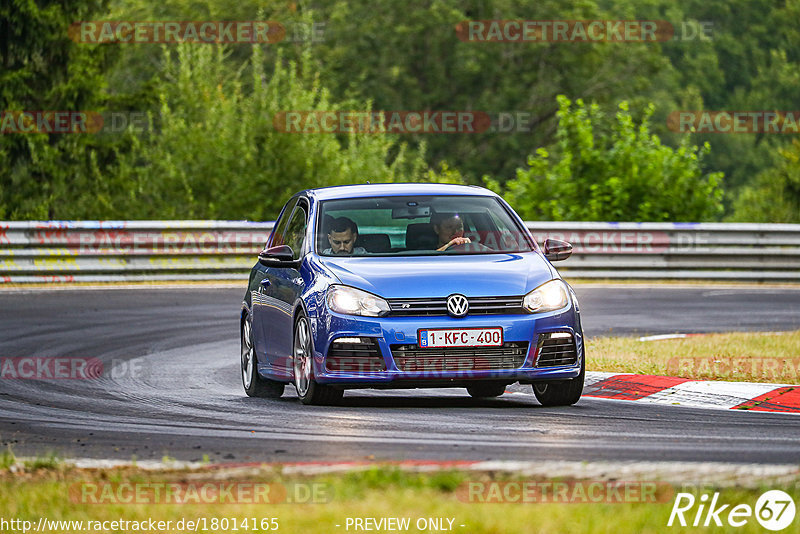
<point>309,391</point>
<point>254,384</point>
<point>564,393</point>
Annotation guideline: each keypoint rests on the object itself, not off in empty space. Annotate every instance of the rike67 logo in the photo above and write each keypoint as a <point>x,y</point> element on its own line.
<point>774,510</point>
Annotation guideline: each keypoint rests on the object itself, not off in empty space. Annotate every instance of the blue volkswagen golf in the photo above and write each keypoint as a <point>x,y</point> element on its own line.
<point>408,286</point>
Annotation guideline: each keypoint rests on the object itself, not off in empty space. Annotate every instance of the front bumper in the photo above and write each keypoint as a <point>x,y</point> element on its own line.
<point>388,333</point>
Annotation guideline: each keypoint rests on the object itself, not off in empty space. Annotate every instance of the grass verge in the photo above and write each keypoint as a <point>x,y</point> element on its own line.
<point>320,503</point>
<point>741,357</point>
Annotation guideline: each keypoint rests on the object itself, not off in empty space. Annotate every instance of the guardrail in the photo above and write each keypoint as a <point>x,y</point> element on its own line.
<point>102,251</point>
<point>721,251</point>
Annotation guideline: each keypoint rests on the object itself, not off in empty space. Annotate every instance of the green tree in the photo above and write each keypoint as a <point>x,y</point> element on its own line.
<point>41,69</point>
<point>408,56</point>
<point>604,168</point>
<point>214,151</point>
<point>749,62</point>
<point>775,194</point>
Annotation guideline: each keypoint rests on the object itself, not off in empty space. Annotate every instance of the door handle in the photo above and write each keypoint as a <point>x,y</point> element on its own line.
<point>265,282</point>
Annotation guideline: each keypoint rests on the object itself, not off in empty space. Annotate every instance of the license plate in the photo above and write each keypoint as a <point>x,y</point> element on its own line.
<point>460,337</point>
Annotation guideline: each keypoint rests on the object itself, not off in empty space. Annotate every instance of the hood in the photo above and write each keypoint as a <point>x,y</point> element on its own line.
<point>439,276</point>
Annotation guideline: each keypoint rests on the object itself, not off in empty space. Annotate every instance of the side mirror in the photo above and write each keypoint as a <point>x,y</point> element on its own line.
<point>557,250</point>
<point>280,256</point>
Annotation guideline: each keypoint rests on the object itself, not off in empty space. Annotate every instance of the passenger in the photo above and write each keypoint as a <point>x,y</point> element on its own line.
<point>450,229</point>
<point>342,236</point>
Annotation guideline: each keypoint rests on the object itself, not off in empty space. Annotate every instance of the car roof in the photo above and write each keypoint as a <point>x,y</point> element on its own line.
<point>395,189</point>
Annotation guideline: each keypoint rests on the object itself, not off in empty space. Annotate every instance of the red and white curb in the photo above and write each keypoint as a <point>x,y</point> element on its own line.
<point>653,389</point>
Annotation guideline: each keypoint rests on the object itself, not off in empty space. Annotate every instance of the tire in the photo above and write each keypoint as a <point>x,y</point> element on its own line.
<point>254,384</point>
<point>309,391</point>
<point>483,391</point>
<point>564,393</point>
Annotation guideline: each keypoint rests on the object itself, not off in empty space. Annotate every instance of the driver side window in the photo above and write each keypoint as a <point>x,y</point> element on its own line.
<point>279,231</point>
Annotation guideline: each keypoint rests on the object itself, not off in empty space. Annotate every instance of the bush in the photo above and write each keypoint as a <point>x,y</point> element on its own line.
<point>775,195</point>
<point>611,169</point>
<point>215,154</point>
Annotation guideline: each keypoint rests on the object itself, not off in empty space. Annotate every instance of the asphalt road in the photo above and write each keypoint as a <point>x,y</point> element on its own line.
<point>171,386</point>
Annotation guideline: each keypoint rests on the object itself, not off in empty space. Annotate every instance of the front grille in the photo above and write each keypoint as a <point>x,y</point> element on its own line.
<point>438,306</point>
<point>362,357</point>
<point>411,358</point>
<point>556,348</point>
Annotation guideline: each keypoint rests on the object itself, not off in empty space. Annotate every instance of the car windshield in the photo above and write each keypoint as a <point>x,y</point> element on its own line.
<point>418,225</point>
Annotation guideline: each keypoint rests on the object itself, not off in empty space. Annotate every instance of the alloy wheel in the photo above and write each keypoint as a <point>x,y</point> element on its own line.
<point>248,356</point>
<point>302,357</point>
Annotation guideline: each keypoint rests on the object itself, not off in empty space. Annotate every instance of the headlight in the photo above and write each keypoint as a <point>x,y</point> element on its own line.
<point>547,297</point>
<point>352,301</point>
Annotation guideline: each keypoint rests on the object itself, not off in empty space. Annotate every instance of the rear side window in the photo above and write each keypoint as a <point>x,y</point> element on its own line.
<point>279,231</point>
<point>296,231</point>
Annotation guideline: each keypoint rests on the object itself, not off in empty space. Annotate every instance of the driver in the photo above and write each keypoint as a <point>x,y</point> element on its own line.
<point>342,235</point>
<point>450,230</point>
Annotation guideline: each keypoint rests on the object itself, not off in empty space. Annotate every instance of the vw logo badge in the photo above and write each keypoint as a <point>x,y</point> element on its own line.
<point>457,305</point>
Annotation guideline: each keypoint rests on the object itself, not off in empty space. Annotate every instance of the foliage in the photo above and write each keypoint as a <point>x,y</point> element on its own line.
<point>775,194</point>
<point>7,459</point>
<point>49,461</point>
<point>612,169</point>
<point>41,69</point>
<point>750,61</point>
<point>211,150</point>
<point>408,56</point>
<point>214,152</point>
